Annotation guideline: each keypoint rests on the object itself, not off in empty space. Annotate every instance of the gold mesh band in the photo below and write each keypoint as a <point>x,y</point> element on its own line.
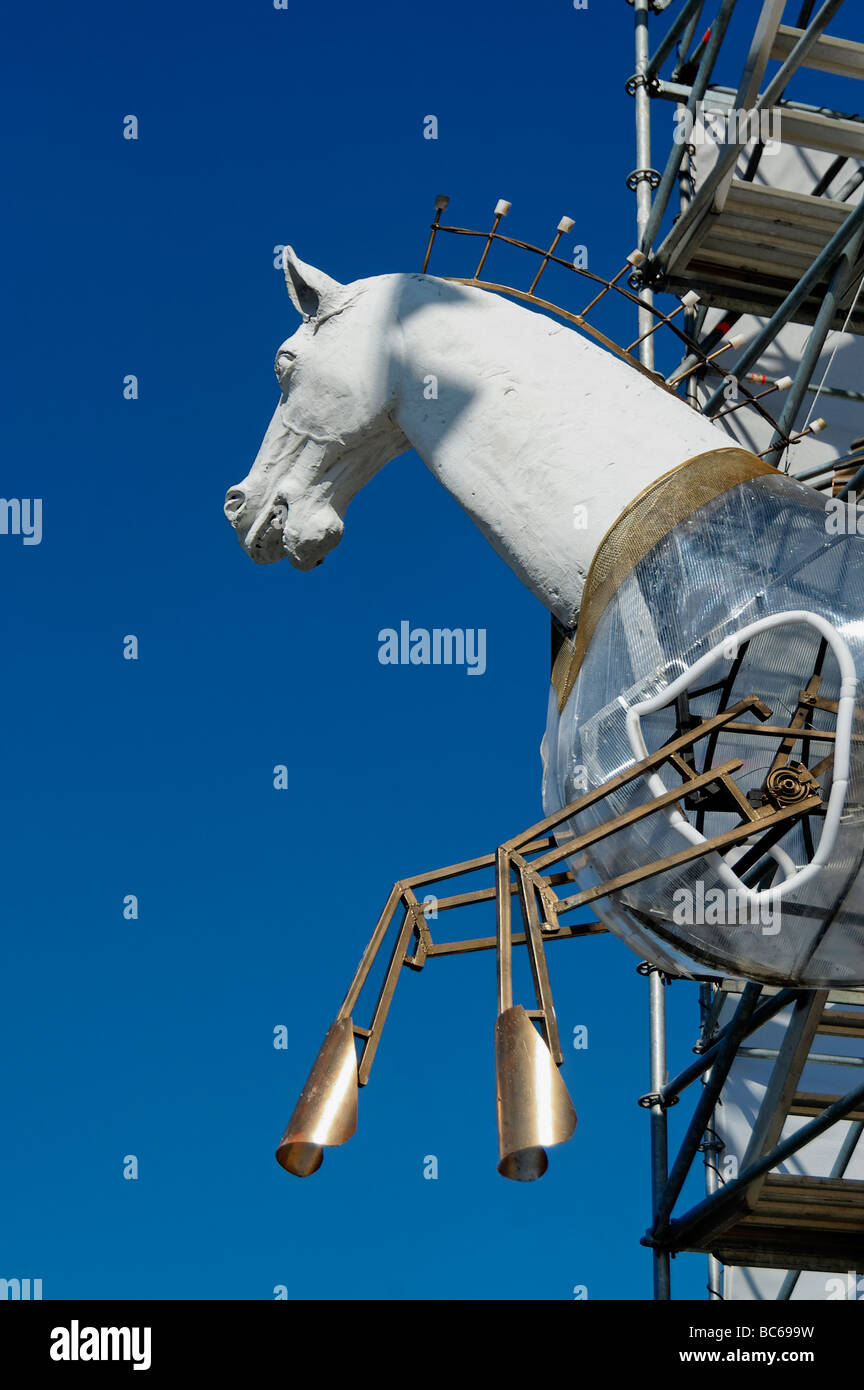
<point>649,517</point>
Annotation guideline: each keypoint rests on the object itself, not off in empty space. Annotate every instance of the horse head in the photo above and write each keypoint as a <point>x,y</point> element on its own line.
<point>334,426</point>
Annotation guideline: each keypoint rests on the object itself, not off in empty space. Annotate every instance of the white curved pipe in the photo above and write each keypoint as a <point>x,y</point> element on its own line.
<point>785,861</point>
<point>728,649</point>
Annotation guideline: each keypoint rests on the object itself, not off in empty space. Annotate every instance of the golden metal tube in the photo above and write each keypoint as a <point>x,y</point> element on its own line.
<point>505,937</point>
<point>441,203</point>
<point>565,225</point>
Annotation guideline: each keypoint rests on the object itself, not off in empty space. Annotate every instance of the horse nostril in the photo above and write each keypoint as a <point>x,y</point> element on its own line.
<point>235,500</point>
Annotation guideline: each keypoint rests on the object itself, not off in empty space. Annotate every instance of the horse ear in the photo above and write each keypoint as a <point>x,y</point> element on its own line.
<point>311,290</point>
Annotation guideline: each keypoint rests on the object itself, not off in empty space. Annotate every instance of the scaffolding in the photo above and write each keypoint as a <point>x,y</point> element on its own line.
<point>785,256</point>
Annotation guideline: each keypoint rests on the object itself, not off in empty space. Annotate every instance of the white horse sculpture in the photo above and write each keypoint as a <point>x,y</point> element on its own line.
<point>522,421</point>
<point>551,444</point>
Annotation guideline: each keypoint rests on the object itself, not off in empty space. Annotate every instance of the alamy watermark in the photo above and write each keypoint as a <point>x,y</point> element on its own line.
<point>728,907</point>
<point>23,1289</point>
<point>437,646</point>
<point>844,516</point>
<point>732,127</point>
<point>22,517</point>
<point>850,1289</point>
<point>77,1343</point>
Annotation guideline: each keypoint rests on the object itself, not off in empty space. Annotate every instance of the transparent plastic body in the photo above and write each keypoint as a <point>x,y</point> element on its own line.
<point>766,547</point>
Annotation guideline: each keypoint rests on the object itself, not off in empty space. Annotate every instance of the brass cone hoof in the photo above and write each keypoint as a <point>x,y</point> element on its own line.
<point>534,1109</point>
<point>326,1113</point>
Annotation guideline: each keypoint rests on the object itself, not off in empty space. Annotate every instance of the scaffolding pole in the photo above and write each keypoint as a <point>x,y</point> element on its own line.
<point>659,1137</point>
<point>643,173</point>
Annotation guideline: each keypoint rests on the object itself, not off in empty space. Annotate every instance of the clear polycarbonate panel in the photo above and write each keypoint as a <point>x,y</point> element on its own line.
<point>764,547</point>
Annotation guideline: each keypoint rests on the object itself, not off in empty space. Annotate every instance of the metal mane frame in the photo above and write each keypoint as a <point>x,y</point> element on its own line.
<point>695,360</point>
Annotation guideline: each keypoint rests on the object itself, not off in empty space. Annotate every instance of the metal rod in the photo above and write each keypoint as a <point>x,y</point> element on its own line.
<point>840,392</point>
<point>829,176</point>
<point>385,998</point>
<point>537,961</point>
<point>847,1149</point>
<point>368,957</point>
<point>711,1145</point>
<point>829,467</point>
<point>486,943</point>
<point>658,323</point>
<point>684,46</point>
<point>705,1105</point>
<point>505,938</point>
<point>852,485</point>
<point>705,361</point>
<point>852,183</point>
<point>710,1017</point>
<point>659,1136</point>
<point>441,203</point>
<point>605,290</point>
<point>769,390</point>
<point>490,236</point>
<point>825,1059</point>
<point>545,261</point>
<point>642,102</point>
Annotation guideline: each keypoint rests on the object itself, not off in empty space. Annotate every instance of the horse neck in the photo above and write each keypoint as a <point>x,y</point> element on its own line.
<point>542,437</point>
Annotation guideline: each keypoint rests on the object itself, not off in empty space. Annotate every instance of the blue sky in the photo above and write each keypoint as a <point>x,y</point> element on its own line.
<point>154,777</point>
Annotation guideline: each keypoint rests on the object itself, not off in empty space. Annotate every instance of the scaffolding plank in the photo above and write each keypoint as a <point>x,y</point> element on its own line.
<point>764,1248</point>
<point>835,996</point>
<point>812,1103</point>
<point>842,1023</point>
<point>786,207</point>
<point>813,131</point>
<point>795,216</point>
<point>806,1196</point>
<point>739,226</point>
<point>842,57</point>
<point>750,255</point>
<point>798,1223</point>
